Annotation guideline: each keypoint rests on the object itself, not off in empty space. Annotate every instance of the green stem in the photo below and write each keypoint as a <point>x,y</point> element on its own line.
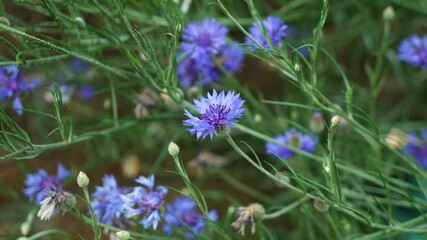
<point>286,209</point>
<point>95,227</point>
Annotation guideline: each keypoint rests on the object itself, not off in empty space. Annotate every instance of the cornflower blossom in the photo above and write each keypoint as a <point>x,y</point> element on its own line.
<point>274,29</point>
<point>40,182</point>
<point>145,201</point>
<point>107,203</point>
<point>217,113</point>
<point>231,57</point>
<point>417,147</point>
<point>87,93</point>
<point>192,71</point>
<point>55,199</point>
<point>304,142</point>
<point>182,214</point>
<point>413,50</point>
<point>203,38</point>
<point>12,86</point>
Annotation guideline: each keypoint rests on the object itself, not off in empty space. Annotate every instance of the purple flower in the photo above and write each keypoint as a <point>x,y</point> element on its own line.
<point>274,29</point>
<point>182,214</point>
<point>12,86</point>
<point>107,203</point>
<point>413,50</point>
<point>79,67</point>
<point>203,38</point>
<point>217,113</point>
<point>304,142</point>
<point>145,201</point>
<point>418,147</point>
<point>86,93</point>
<point>192,71</point>
<point>231,57</point>
<point>40,182</point>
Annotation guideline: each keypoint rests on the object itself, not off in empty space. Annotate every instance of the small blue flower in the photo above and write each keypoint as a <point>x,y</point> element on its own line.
<point>12,86</point>
<point>86,93</point>
<point>40,182</point>
<point>79,67</point>
<point>231,57</point>
<point>413,50</point>
<point>203,38</point>
<point>217,113</point>
<point>304,142</point>
<point>274,29</point>
<point>107,203</point>
<point>145,201</point>
<point>418,147</point>
<point>182,214</point>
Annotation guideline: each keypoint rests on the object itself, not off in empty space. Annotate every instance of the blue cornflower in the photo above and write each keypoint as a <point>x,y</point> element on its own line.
<point>107,203</point>
<point>182,214</point>
<point>40,182</point>
<point>274,29</point>
<point>12,86</point>
<point>203,38</point>
<point>413,50</point>
<point>204,69</point>
<point>86,93</point>
<point>145,201</point>
<point>79,67</point>
<point>304,142</point>
<point>192,71</point>
<point>217,113</point>
<point>418,147</point>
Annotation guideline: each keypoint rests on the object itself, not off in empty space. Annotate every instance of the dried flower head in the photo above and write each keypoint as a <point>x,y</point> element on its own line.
<point>217,113</point>
<point>251,214</point>
<point>55,199</point>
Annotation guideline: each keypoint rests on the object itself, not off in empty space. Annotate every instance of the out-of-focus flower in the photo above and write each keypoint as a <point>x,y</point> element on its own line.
<point>203,38</point>
<point>304,142</point>
<point>413,50</point>
<point>40,182</point>
<point>317,124</point>
<point>107,203</point>
<point>217,113</point>
<point>131,166</point>
<point>182,214</point>
<point>87,93</point>
<point>396,139</point>
<point>231,57</point>
<point>145,201</point>
<point>66,90</point>
<point>194,72</point>
<point>274,30</point>
<point>417,147</point>
<point>12,86</point>
<point>55,199</point>
<point>204,161</point>
<point>79,67</point>
<point>251,214</point>
<point>148,97</point>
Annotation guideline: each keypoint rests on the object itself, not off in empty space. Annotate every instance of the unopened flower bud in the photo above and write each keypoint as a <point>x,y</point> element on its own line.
<point>257,118</point>
<point>297,67</point>
<point>335,121</point>
<point>320,205</point>
<point>317,123</point>
<point>25,228</point>
<point>5,21</point>
<point>173,149</point>
<point>123,235</point>
<point>396,139</point>
<point>80,21</point>
<point>82,179</point>
<point>388,14</point>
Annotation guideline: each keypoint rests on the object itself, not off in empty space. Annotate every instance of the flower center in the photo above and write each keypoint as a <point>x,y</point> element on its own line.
<point>216,115</point>
<point>204,40</point>
<point>295,140</point>
<point>190,218</point>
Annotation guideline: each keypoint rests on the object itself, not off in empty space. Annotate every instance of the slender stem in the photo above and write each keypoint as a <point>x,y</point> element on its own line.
<point>48,232</point>
<point>95,227</point>
<point>286,209</point>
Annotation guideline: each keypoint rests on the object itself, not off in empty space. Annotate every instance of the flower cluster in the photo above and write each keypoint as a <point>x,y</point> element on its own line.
<point>413,50</point>
<point>107,203</point>
<point>204,49</point>
<point>217,113</point>
<point>271,27</point>
<point>304,142</point>
<point>12,86</point>
<point>182,214</point>
<point>418,147</point>
<point>40,182</point>
<point>145,201</point>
